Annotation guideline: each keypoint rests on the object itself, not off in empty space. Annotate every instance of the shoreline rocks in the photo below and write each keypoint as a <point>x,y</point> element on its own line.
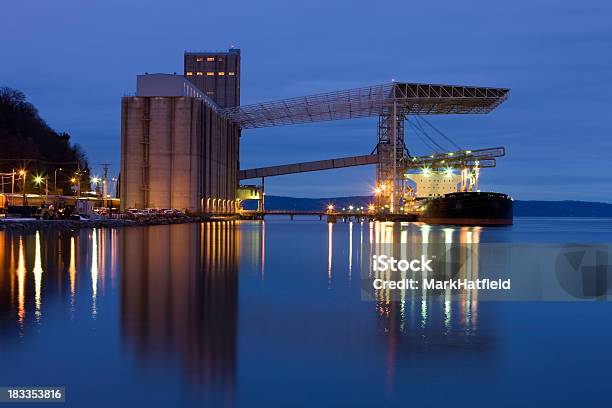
<point>32,225</point>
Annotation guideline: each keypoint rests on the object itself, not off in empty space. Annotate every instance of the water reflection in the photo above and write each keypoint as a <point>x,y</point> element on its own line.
<point>94,273</point>
<point>330,248</point>
<point>37,268</point>
<point>176,296</point>
<point>38,271</point>
<point>21,277</point>
<point>72,274</point>
<point>179,298</point>
<point>427,317</point>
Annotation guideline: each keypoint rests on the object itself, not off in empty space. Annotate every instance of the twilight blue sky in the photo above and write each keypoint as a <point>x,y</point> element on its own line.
<point>75,59</point>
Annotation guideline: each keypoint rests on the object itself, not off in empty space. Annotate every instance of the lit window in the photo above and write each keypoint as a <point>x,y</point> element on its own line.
<point>220,73</point>
<point>199,73</point>
<point>231,73</point>
<point>189,73</point>
<point>200,59</point>
<point>210,73</point>
<point>210,93</point>
<point>210,59</point>
<point>220,59</point>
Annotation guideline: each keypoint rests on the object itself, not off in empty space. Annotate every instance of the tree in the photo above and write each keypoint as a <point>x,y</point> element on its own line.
<point>27,141</point>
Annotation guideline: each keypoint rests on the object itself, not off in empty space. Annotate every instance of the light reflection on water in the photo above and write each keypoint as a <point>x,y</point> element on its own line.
<point>229,307</point>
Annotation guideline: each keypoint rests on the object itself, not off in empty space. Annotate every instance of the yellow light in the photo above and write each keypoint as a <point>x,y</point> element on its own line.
<point>468,151</point>
<point>371,207</point>
<point>189,73</point>
<point>73,180</point>
<point>330,207</point>
<point>450,154</point>
<point>209,73</point>
<point>210,58</point>
<point>95,180</point>
<point>220,73</point>
<point>38,179</point>
<point>199,73</point>
<point>377,190</point>
<point>22,172</point>
<point>383,187</point>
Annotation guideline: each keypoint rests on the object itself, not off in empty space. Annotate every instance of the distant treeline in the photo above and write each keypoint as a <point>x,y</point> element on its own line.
<point>521,208</point>
<point>27,142</point>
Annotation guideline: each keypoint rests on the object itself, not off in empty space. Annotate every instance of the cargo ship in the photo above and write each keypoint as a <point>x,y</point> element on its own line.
<point>469,208</point>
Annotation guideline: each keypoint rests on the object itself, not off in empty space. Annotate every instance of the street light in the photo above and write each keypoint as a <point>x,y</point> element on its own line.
<point>39,180</point>
<point>96,182</point>
<point>75,183</point>
<point>22,173</point>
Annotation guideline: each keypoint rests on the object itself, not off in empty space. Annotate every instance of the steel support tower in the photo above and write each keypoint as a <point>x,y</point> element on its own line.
<point>391,150</point>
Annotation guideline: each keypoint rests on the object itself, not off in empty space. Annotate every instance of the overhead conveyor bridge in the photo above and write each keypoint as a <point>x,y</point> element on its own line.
<point>308,166</point>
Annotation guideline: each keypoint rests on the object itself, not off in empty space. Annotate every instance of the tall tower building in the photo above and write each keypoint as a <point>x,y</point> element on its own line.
<point>217,74</point>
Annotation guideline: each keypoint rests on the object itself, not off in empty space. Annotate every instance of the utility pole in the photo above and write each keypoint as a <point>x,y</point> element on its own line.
<point>262,198</point>
<point>104,184</point>
<point>24,188</point>
<point>55,180</point>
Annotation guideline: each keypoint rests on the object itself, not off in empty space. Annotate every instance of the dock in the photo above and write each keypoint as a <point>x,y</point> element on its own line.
<point>330,216</point>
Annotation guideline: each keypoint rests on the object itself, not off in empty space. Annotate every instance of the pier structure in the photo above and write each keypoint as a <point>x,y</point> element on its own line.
<point>392,103</point>
<point>181,134</point>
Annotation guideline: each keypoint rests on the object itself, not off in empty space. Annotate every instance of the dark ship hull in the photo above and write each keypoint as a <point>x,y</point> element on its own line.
<point>469,208</point>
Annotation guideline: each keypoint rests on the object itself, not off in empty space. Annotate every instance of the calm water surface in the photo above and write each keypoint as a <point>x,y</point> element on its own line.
<point>250,314</point>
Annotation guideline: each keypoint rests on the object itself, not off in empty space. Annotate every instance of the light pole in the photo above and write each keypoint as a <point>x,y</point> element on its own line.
<point>377,192</point>
<point>74,182</point>
<point>55,180</point>
<point>96,182</point>
<point>22,173</point>
<point>39,180</point>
